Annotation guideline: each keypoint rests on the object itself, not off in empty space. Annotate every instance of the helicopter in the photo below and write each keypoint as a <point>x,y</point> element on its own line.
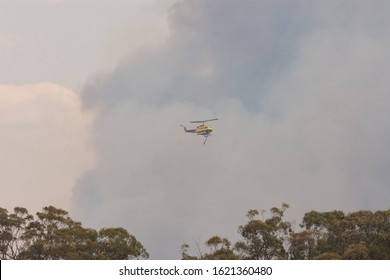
<point>202,129</point>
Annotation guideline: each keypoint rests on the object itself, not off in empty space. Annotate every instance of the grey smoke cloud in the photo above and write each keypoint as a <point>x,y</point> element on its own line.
<point>217,50</point>
<point>301,91</point>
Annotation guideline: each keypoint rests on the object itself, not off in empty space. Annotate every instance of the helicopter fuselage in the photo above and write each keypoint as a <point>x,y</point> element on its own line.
<point>203,130</point>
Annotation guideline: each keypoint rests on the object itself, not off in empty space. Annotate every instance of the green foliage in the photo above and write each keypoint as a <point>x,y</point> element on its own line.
<point>118,244</point>
<point>264,239</point>
<point>12,228</point>
<point>328,256</point>
<point>356,252</point>
<point>55,236</point>
<point>303,245</point>
<point>335,235</point>
<point>219,249</point>
<point>330,235</point>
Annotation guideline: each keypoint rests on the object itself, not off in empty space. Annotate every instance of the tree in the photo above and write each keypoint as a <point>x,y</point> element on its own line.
<point>118,244</point>
<point>262,239</point>
<point>356,252</point>
<point>12,228</point>
<point>335,235</point>
<point>329,235</point>
<point>219,249</point>
<point>303,245</point>
<point>265,239</point>
<point>55,236</point>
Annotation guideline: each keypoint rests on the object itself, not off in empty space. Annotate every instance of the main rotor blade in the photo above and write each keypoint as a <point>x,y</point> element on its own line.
<point>203,121</point>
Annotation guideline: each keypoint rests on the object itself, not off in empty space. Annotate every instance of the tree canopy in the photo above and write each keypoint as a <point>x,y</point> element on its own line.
<point>336,235</point>
<point>323,235</point>
<point>53,235</point>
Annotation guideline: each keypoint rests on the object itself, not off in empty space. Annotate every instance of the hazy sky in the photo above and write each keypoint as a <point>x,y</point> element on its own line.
<point>49,49</point>
<point>92,94</point>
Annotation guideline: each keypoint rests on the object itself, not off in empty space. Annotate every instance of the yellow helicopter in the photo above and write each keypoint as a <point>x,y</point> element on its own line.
<point>202,129</point>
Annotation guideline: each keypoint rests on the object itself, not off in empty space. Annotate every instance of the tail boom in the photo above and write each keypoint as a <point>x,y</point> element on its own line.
<point>188,130</point>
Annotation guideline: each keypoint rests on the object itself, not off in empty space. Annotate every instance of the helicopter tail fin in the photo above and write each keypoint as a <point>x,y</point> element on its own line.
<point>185,129</point>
